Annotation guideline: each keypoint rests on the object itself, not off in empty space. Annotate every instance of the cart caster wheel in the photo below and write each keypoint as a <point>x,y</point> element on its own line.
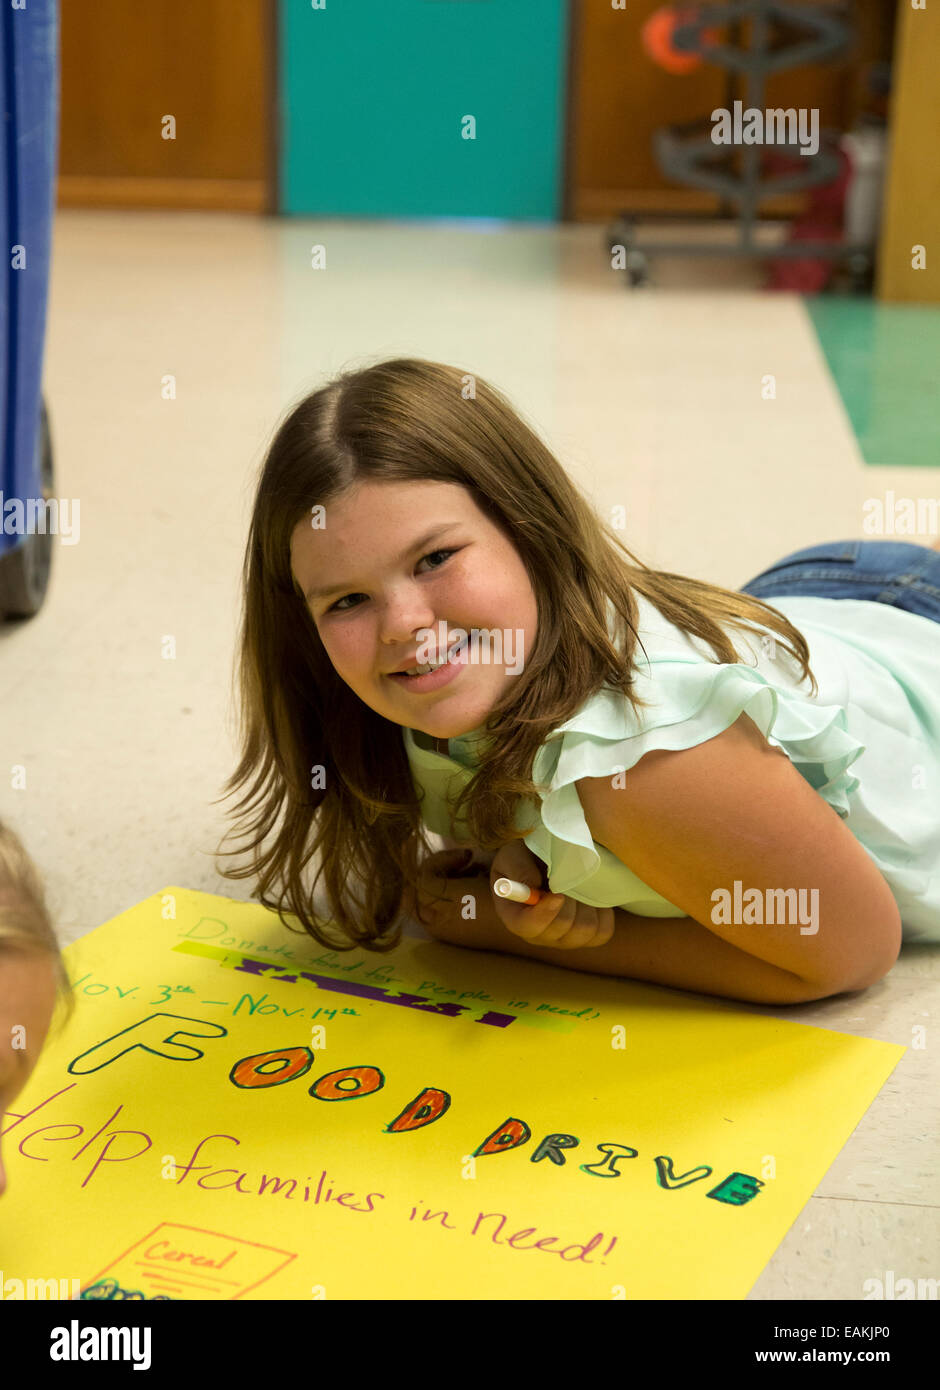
<point>860,270</point>
<point>24,571</point>
<point>638,271</point>
<point>619,234</point>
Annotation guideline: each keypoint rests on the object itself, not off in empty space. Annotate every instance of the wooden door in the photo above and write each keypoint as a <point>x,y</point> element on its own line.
<point>167,105</point>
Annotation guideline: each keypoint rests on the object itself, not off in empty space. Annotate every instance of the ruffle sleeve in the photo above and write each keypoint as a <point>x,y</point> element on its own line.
<point>690,702</point>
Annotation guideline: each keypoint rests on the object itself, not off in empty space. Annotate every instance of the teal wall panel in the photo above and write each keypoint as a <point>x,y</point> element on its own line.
<point>373,94</point>
<point>884,359</point>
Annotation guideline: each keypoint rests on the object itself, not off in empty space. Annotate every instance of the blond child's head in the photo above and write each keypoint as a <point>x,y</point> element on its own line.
<point>32,972</point>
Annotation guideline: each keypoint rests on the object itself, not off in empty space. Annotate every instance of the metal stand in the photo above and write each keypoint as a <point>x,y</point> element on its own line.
<point>688,153</point>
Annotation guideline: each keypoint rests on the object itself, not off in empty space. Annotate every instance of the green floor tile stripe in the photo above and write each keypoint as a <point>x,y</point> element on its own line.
<point>884,358</point>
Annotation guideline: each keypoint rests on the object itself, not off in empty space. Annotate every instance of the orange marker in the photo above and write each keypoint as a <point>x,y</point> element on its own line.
<point>518,892</point>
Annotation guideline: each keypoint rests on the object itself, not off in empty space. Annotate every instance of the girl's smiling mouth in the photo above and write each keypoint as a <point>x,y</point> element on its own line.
<point>441,675</point>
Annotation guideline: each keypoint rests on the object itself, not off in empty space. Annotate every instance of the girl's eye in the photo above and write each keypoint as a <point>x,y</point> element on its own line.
<point>335,607</point>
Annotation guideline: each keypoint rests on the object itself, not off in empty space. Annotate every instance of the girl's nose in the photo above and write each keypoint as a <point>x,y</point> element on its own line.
<point>400,624</point>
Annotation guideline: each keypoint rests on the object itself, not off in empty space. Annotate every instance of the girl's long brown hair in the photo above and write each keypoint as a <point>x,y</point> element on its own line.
<point>332,771</point>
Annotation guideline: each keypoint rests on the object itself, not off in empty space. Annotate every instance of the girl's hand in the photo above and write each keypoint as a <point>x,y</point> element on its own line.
<point>557,921</point>
<point>444,880</point>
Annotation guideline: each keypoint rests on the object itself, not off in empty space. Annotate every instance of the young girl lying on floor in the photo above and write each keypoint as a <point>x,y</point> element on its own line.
<point>718,800</point>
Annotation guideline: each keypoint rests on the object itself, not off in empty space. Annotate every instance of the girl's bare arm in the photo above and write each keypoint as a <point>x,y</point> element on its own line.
<point>735,810</point>
<point>673,951</point>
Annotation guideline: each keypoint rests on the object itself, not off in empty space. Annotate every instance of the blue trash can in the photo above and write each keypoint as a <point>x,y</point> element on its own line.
<point>28,162</point>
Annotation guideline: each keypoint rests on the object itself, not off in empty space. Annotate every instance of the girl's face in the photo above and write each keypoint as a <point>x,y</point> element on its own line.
<point>409,563</point>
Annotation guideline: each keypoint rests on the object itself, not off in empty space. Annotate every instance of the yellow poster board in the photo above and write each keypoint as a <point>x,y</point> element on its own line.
<point>235,1112</point>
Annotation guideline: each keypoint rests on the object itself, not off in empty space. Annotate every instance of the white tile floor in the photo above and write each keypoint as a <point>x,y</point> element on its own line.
<point>651,399</point>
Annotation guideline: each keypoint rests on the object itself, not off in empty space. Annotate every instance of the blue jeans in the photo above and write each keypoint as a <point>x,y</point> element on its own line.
<point>896,572</point>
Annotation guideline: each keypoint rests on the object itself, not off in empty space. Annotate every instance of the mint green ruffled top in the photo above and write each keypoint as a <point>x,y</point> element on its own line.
<point>868,742</point>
